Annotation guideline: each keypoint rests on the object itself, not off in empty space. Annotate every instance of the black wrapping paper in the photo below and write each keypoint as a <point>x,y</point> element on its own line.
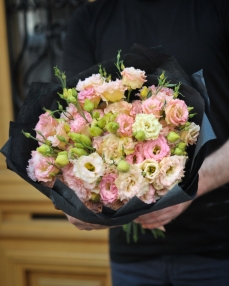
<point>17,149</point>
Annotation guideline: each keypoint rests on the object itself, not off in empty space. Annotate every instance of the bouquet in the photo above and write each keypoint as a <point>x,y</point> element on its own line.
<point>115,142</point>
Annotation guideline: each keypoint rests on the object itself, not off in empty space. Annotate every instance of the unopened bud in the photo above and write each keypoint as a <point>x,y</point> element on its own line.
<point>172,137</point>
<point>144,92</point>
<point>140,136</point>
<point>79,152</point>
<point>95,131</point>
<point>181,146</point>
<point>45,150</point>
<point>102,122</point>
<point>178,151</point>
<point>96,115</point>
<point>88,105</point>
<point>123,166</point>
<point>112,127</point>
<point>62,159</point>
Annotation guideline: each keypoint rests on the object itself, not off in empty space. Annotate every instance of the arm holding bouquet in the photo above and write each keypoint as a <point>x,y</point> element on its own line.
<point>207,182</point>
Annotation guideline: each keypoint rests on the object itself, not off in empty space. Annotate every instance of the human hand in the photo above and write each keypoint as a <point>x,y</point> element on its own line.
<point>84,225</point>
<point>159,218</point>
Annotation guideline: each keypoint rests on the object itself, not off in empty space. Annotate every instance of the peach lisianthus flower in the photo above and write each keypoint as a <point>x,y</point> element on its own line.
<point>125,125</point>
<point>131,184</point>
<point>138,155</point>
<point>110,149</point>
<point>108,189</point>
<point>118,107</point>
<point>127,145</point>
<point>189,137</point>
<point>156,149</point>
<point>75,183</point>
<point>91,81</point>
<point>149,197</point>
<point>133,78</point>
<point>149,124</point>
<point>46,125</point>
<point>89,168</point>
<point>111,91</point>
<point>60,130</point>
<point>171,173</point>
<point>70,113</point>
<point>176,112</point>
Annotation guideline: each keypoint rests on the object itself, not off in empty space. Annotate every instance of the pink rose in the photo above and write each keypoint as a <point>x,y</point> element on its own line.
<point>75,183</point>
<point>125,125</point>
<point>46,125</point>
<point>176,112</point>
<point>133,78</point>
<point>156,149</point>
<point>108,189</point>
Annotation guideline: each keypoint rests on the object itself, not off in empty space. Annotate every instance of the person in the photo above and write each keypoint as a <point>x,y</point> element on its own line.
<point>195,249</point>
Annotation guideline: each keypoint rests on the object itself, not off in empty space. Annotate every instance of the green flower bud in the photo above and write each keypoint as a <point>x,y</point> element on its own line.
<point>123,166</point>
<point>72,99</point>
<point>88,105</point>
<point>80,138</point>
<point>162,76</point>
<point>62,159</point>
<point>102,122</point>
<point>178,151</point>
<point>96,115</point>
<point>95,197</point>
<point>74,92</point>
<point>112,127</point>
<point>95,131</point>
<point>45,150</point>
<point>190,108</point>
<point>79,152</point>
<point>181,146</point>
<point>172,137</point>
<point>79,145</point>
<point>140,136</point>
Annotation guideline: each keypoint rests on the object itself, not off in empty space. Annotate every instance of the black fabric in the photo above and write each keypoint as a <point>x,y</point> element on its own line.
<point>196,33</point>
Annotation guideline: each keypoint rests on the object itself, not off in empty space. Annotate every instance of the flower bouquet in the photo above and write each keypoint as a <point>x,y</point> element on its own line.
<point>116,141</point>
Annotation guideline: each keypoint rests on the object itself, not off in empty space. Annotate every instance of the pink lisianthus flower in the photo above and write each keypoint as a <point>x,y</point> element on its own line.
<point>153,106</point>
<point>89,93</point>
<point>138,155</point>
<point>75,183</point>
<point>149,197</point>
<point>97,144</point>
<point>118,107</point>
<point>133,78</point>
<point>125,125</point>
<point>156,149</point>
<point>108,189</point>
<point>171,173</point>
<point>166,129</point>
<point>79,123</point>
<point>70,113</point>
<point>41,168</point>
<point>46,125</point>
<point>136,107</point>
<point>176,112</point>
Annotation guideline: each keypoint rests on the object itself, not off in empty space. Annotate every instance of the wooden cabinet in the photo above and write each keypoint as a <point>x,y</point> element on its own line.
<point>38,246</point>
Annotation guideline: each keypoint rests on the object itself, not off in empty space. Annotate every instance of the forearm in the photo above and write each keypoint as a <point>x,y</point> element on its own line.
<point>214,171</point>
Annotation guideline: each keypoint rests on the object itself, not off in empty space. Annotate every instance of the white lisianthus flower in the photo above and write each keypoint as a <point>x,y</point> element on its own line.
<point>150,169</point>
<point>89,168</point>
<point>131,184</point>
<point>111,148</point>
<point>147,123</point>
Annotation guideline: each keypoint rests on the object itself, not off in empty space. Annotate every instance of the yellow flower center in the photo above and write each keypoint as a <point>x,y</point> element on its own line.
<point>90,167</point>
